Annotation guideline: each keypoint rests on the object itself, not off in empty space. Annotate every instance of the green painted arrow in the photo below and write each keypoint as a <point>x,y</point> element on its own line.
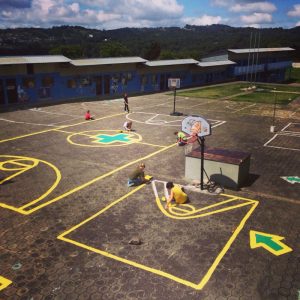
<point>291,179</point>
<point>270,242</point>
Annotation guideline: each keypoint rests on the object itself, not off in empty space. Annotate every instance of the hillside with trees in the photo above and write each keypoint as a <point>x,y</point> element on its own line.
<point>151,43</point>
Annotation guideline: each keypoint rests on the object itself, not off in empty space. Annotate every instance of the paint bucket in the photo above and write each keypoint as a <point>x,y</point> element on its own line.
<point>272,128</point>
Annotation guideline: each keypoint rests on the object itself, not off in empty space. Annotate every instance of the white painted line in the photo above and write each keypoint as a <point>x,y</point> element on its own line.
<point>270,140</point>
<point>19,122</point>
<point>278,147</point>
<point>67,120</point>
<point>293,149</point>
<point>286,126</point>
<point>151,120</point>
<point>52,113</point>
<point>251,105</point>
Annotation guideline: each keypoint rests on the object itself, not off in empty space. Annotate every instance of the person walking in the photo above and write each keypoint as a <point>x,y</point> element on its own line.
<point>126,107</point>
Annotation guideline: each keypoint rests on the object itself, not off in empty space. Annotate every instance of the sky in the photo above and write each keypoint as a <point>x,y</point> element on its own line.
<point>113,14</point>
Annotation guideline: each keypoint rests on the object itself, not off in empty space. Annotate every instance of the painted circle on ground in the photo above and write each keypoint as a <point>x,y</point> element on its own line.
<point>15,166</point>
<point>104,138</point>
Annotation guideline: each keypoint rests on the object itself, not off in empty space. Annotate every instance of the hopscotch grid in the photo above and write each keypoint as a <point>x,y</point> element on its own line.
<point>282,134</point>
<point>284,128</point>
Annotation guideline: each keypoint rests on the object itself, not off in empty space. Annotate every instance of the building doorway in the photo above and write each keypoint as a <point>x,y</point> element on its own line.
<point>106,84</point>
<point>11,90</point>
<point>2,97</point>
<point>98,85</point>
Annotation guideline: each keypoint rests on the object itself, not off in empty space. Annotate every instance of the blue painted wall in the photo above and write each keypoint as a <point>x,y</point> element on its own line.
<point>84,85</point>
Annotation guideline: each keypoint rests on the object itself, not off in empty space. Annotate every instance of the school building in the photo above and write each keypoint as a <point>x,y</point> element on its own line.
<point>38,79</point>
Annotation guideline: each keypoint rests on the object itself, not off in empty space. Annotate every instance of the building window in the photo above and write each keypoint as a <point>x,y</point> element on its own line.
<point>154,79</point>
<point>47,81</point>
<point>28,82</point>
<point>86,81</point>
<point>30,69</point>
<point>144,79</point>
<point>71,84</point>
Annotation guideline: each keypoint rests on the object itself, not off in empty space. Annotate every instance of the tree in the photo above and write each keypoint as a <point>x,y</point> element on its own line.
<point>113,49</point>
<point>153,51</point>
<point>70,51</point>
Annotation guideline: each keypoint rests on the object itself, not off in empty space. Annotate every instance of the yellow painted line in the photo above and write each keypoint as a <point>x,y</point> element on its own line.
<point>36,162</point>
<point>109,255</point>
<point>207,275</point>
<point>64,131</point>
<point>165,212</point>
<point>12,161</point>
<point>80,187</point>
<point>6,206</point>
<point>101,211</point>
<point>226,247</point>
<point>60,127</point>
<point>154,145</point>
<point>132,263</point>
<point>4,283</point>
<point>183,209</point>
<point>194,215</point>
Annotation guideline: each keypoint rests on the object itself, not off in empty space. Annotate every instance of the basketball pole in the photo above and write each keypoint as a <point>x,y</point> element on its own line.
<point>201,142</point>
<point>174,101</point>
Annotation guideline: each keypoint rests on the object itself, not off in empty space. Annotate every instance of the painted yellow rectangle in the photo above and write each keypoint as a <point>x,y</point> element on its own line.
<point>198,285</point>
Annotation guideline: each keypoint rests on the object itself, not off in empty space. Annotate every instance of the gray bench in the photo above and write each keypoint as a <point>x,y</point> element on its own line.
<point>229,168</point>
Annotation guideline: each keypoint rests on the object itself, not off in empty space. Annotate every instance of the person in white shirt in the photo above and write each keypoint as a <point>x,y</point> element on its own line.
<point>127,125</point>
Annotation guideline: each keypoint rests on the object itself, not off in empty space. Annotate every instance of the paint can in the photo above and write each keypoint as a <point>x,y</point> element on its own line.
<point>272,128</point>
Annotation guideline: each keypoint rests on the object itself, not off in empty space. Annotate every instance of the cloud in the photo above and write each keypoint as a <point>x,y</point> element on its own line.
<point>203,20</point>
<point>295,12</point>
<point>222,2</point>
<point>228,3</point>
<point>15,4</point>
<point>254,7</point>
<point>95,13</point>
<point>257,18</point>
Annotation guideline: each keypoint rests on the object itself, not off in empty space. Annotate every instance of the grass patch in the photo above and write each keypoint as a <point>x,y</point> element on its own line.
<point>266,97</point>
<point>263,94</point>
<point>214,92</point>
<point>293,75</point>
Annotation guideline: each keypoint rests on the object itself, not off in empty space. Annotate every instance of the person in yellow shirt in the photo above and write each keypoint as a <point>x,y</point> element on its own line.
<point>177,194</point>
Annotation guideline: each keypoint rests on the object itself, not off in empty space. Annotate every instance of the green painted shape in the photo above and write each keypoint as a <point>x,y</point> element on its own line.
<point>293,178</point>
<point>107,138</point>
<point>267,240</point>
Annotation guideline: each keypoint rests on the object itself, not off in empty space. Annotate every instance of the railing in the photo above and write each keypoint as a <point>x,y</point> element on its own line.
<point>279,65</point>
<point>248,69</point>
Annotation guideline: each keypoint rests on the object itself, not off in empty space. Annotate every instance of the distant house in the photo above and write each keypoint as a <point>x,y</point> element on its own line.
<point>36,79</point>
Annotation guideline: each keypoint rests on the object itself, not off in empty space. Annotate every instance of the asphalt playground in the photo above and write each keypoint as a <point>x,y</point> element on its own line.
<point>67,216</point>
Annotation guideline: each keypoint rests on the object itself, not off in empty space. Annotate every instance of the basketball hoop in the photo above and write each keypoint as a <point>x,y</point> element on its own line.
<point>173,84</point>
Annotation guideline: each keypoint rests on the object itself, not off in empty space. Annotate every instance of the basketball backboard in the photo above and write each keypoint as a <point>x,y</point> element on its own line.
<point>196,125</point>
<point>174,83</point>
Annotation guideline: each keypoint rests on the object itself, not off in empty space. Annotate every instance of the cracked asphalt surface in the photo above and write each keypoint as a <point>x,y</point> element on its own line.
<point>67,214</point>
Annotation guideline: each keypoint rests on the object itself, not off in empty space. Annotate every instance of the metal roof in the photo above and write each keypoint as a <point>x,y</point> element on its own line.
<point>216,63</point>
<point>296,65</point>
<point>16,60</point>
<point>156,63</point>
<point>107,61</point>
<point>261,50</point>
